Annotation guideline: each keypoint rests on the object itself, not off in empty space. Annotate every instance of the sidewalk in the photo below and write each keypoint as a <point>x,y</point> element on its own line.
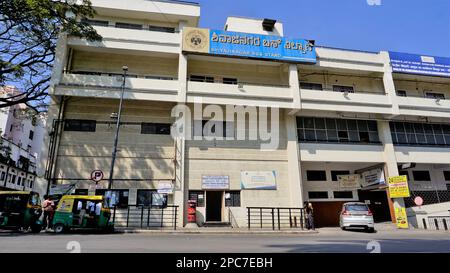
<point>214,230</point>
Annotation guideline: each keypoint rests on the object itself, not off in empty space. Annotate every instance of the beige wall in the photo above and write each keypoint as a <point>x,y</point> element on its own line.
<point>112,63</point>
<point>417,88</point>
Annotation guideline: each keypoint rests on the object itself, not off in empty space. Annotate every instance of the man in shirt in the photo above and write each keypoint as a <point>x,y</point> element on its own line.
<point>48,207</point>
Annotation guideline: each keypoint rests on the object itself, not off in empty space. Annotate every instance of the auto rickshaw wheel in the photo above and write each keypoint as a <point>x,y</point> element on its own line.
<point>59,228</point>
<point>36,228</point>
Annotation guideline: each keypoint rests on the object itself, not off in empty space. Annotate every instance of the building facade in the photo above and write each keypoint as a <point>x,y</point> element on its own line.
<point>22,136</point>
<point>346,112</point>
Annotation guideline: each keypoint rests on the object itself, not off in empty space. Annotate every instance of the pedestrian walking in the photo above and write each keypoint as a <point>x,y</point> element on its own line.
<point>309,213</point>
<point>49,209</point>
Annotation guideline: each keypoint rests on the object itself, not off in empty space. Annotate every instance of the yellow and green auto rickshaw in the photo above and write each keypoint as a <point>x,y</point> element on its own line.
<point>82,212</point>
<point>20,210</point>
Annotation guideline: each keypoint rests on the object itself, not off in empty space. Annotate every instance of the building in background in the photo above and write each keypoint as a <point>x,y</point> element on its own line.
<point>22,136</point>
<point>342,113</point>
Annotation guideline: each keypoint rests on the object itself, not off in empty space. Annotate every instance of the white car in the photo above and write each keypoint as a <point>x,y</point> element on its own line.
<point>356,215</point>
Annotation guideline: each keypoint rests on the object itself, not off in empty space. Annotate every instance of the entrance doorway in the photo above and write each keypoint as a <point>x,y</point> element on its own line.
<point>378,204</point>
<point>214,206</point>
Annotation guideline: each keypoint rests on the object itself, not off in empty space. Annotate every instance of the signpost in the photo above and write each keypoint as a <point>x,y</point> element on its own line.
<point>97,176</point>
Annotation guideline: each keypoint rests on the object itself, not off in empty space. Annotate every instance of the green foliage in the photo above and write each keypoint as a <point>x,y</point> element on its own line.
<point>29,30</point>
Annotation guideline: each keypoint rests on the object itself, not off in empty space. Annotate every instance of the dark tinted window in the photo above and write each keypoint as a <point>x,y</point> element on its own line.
<point>316,176</point>
<point>421,175</point>
<point>311,86</point>
<point>161,29</point>
<point>356,207</point>
<point>447,175</point>
<point>155,128</point>
<point>128,25</point>
<point>198,196</point>
<point>401,93</point>
<point>230,81</point>
<point>232,198</point>
<point>80,125</point>
<point>343,88</point>
<point>95,22</point>
<point>318,195</point>
<point>151,198</point>
<point>343,194</point>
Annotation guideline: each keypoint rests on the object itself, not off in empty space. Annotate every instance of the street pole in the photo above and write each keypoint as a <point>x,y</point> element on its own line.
<point>116,137</point>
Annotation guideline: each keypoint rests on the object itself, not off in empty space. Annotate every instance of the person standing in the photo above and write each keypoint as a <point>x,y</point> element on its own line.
<point>309,210</point>
<point>48,207</point>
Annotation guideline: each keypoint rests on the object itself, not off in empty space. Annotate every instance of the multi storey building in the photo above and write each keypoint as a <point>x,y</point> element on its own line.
<point>22,135</point>
<point>344,112</point>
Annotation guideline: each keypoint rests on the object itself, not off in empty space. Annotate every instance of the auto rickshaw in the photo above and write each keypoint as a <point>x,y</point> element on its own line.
<point>20,210</point>
<point>82,212</point>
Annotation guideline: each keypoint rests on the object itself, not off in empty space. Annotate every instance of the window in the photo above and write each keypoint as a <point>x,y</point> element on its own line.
<point>197,78</point>
<point>232,199</point>
<point>128,25</point>
<point>421,175</point>
<point>81,192</point>
<point>198,196</point>
<point>19,180</point>
<point>446,175</point>
<point>155,128</point>
<point>343,194</point>
<point>230,81</point>
<point>318,195</point>
<point>162,29</point>
<point>334,174</point>
<point>311,86</point>
<point>343,88</point>
<point>2,177</point>
<point>151,198</point>
<point>407,133</point>
<point>80,125</point>
<point>316,176</point>
<point>401,93</point>
<point>121,196</point>
<point>13,179</point>
<point>31,135</point>
<point>337,130</point>
<point>100,23</point>
<point>10,128</point>
<point>433,95</point>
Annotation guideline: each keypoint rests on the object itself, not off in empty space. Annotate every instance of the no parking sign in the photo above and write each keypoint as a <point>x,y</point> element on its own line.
<point>96,176</point>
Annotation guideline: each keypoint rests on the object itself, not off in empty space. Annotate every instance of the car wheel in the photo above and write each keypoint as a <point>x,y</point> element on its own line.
<point>371,230</point>
<point>343,228</point>
<point>59,228</point>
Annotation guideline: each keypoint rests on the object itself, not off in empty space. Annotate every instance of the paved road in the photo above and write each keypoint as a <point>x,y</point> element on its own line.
<point>327,240</point>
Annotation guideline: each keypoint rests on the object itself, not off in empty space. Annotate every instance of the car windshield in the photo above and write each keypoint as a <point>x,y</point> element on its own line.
<point>356,207</point>
<point>13,202</point>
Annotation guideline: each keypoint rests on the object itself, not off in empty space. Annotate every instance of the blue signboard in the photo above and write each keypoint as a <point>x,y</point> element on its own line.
<point>420,64</point>
<point>248,45</point>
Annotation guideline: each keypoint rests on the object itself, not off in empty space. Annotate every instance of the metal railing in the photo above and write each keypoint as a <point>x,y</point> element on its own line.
<point>145,217</point>
<point>275,218</point>
<point>439,222</point>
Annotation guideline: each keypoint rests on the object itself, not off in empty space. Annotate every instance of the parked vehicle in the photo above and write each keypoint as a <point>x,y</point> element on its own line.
<point>20,210</point>
<point>356,215</point>
<point>82,212</point>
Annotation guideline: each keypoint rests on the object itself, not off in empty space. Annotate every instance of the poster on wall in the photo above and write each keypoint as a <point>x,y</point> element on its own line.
<point>215,182</point>
<point>372,177</point>
<point>398,186</point>
<point>258,180</point>
<point>351,181</point>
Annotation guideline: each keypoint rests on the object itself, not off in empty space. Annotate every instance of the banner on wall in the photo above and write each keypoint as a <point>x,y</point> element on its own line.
<point>258,180</point>
<point>398,186</point>
<point>215,182</point>
<point>420,64</point>
<point>248,45</point>
<point>165,187</point>
<point>351,181</point>
<point>372,177</point>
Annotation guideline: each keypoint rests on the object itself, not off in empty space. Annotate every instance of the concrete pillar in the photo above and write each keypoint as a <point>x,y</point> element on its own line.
<point>294,167</point>
<point>390,160</point>
<point>61,55</point>
<point>182,69</point>
<point>388,82</point>
<point>295,88</point>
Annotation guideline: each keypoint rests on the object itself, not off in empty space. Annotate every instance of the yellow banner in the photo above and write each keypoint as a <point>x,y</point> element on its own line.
<point>401,218</point>
<point>398,187</point>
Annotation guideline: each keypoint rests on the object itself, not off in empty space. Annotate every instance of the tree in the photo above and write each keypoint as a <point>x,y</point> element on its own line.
<point>29,30</point>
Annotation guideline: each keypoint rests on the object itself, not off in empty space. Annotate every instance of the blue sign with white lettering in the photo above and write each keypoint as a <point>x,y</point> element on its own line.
<point>420,64</point>
<point>261,46</point>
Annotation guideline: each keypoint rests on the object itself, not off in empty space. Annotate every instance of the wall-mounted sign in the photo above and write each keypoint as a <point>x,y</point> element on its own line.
<point>351,181</point>
<point>398,187</point>
<point>165,187</point>
<point>215,182</point>
<point>420,64</point>
<point>258,180</point>
<point>372,177</point>
<point>248,45</point>
<point>96,175</point>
